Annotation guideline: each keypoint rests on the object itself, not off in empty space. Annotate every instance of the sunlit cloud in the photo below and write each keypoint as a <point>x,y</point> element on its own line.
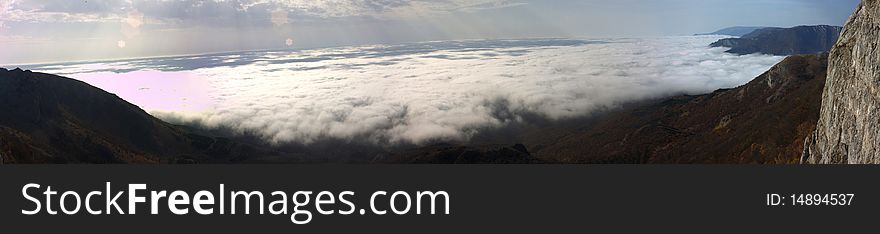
<point>51,11</point>
<point>5,5</point>
<point>470,5</point>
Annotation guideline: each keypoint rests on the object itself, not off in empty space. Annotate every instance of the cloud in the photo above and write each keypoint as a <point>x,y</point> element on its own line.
<point>5,6</point>
<point>57,11</point>
<point>484,5</point>
<point>421,92</point>
<point>212,10</point>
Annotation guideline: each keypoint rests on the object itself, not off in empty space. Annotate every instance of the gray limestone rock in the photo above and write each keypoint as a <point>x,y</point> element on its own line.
<point>848,130</point>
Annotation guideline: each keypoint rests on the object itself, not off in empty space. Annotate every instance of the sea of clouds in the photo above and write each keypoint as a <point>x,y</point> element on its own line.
<point>419,92</point>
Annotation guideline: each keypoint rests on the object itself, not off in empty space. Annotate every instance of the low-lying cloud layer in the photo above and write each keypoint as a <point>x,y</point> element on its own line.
<point>416,92</point>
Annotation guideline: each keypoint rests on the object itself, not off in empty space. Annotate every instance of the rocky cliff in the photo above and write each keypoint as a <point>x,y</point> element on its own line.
<point>783,41</point>
<point>848,130</point>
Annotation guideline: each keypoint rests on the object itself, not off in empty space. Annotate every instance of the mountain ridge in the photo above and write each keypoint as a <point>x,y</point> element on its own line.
<point>783,41</point>
<point>52,119</point>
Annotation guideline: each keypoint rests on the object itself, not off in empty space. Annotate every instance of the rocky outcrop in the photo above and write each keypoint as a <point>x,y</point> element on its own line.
<point>783,41</point>
<point>848,130</point>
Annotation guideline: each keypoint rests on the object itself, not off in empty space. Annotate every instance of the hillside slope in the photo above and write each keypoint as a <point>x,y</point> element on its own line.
<point>52,119</point>
<point>764,121</point>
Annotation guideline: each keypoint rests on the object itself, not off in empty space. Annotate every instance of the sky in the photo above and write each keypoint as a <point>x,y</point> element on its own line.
<point>38,31</point>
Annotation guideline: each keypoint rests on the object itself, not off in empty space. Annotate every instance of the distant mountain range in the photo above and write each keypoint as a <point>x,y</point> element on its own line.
<point>732,31</point>
<point>784,41</point>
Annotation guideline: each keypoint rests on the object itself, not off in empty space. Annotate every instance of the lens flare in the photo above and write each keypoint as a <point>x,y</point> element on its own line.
<point>279,18</point>
<point>132,23</point>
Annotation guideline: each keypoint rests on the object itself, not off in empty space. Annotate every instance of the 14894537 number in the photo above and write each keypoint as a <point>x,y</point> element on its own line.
<point>833,199</point>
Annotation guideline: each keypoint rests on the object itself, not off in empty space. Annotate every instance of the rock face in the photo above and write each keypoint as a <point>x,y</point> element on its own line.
<point>848,130</point>
<point>733,31</point>
<point>783,41</point>
<point>764,121</point>
<point>52,119</point>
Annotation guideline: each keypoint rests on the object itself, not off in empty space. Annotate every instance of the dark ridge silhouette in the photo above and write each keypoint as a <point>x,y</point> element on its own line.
<point>52,119</point>
<point>783,41</point>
